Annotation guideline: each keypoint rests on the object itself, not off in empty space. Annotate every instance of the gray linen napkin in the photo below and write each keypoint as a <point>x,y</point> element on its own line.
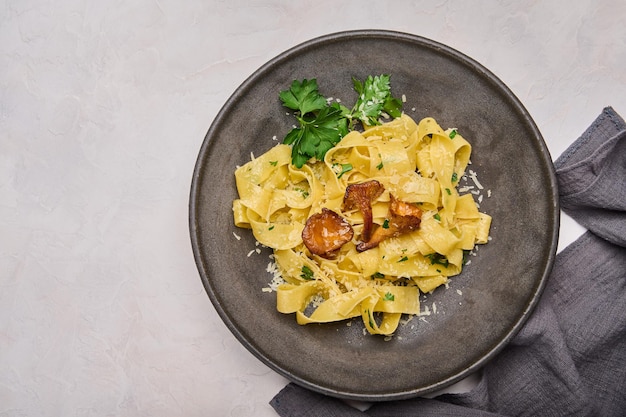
<point>569,359</point>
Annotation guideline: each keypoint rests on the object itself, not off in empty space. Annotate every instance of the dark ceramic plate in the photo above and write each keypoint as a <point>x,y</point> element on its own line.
<point>483,307</point>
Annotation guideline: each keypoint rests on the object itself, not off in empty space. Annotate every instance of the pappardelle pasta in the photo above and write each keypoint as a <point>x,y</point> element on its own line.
<point>417,164</point>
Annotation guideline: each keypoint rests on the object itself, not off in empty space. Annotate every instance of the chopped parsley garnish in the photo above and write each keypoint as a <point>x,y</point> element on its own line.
<point>379,166</point>
<point>403,259</point>
<point>455,177</point>
<point>389,297</point>
<point>302,191</point>
<point>271,227</point>
<point>376,275</point>
<point>437,217</point>
<point>344,168</point>
<point>322,125</point>
<point>452,134</point>
<point>307,273</point>
<point>273,163</point>
<point>437,259</point>
<point>386,224</point>
<point>448,191</point>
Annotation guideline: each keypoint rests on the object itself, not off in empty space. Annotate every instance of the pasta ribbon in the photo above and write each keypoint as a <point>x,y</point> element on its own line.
<point>417,163</point>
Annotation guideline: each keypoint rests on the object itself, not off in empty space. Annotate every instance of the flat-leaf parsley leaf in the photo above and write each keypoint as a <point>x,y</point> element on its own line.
<point>303,96</point>
<point>321,125</point>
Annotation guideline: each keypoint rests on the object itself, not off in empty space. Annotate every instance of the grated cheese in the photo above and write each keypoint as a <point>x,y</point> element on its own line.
<point>474,178</point>
<point>277,278</point>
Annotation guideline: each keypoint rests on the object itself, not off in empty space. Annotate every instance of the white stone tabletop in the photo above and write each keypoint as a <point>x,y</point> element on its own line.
<point>103,109</point>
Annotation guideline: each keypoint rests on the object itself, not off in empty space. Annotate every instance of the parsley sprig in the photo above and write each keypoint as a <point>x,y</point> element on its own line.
<point>374,99</point>
<point>321,124</point>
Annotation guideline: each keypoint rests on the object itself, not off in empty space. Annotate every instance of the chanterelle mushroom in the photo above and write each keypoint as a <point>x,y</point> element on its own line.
<point>403,218</point>
<point>360,196</point>
<point>326,232</point>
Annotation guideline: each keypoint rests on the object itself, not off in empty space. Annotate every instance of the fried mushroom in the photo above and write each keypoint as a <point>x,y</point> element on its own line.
<point>325,233</point>
<point>403,218</point>
<point>360,196</point>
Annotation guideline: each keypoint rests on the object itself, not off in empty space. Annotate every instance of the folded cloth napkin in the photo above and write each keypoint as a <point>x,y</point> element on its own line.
<point>569,359</point>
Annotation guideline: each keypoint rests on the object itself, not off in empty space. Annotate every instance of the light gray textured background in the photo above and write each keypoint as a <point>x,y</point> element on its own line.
<point>103,108</point>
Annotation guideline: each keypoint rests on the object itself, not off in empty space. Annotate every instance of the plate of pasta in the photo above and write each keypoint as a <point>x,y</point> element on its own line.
<point>373,215</point>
